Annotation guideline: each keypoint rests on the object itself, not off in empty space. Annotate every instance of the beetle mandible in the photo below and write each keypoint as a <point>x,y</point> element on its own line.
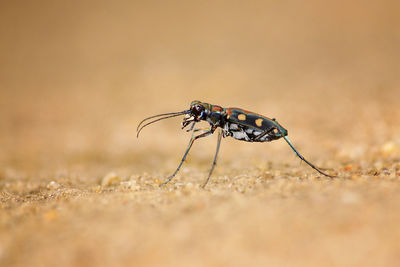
<point>235,122</point>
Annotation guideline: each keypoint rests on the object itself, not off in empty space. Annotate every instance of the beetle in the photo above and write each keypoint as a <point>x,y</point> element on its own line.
<point>234,122</point>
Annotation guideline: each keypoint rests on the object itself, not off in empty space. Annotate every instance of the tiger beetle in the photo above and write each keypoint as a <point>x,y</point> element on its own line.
<point>235,122</point>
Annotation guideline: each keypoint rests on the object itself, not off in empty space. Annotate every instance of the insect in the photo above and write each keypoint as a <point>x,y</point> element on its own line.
<point>235,122</point>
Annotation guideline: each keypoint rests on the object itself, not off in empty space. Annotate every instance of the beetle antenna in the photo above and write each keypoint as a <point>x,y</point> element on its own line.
<point>303,159</point>
<point>159,115</point>
<point>167,116</point>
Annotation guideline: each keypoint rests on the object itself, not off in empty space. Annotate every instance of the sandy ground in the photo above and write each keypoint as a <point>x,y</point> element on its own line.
<point>77,188</point>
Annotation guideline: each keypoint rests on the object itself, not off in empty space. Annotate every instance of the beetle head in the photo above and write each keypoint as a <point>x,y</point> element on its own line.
<point>197,112</point>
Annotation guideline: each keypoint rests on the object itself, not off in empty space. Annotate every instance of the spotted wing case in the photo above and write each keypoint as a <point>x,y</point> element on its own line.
<point>248,126</point>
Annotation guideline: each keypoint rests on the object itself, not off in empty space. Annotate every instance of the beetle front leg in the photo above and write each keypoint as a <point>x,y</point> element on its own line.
<point>192,139</point>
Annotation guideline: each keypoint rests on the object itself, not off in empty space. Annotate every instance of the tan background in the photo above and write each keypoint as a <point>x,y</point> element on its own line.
<point>78,188</point>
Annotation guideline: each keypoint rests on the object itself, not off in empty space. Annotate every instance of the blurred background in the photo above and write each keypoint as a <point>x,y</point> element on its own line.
<point>76,77</point>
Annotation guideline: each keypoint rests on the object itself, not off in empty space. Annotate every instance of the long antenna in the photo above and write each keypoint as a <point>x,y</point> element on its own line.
<point>303,159</point>
<point>165,114</point>
<point>175,114</point>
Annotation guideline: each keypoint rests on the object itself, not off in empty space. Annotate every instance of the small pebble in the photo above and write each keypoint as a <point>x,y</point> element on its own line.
<point>390,149</point>
<point>53,185</point>
<point>110,179</point>
<point>378,165</point>
<point>189,186</point>
<point>131,185</point>
<point>349,167</point>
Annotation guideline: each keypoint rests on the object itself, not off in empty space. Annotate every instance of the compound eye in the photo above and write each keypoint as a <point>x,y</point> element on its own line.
<point>197,109</point>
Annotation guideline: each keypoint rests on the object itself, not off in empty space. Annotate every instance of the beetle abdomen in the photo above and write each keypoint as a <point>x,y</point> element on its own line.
<point>247,134</point>
<point>248,126</point>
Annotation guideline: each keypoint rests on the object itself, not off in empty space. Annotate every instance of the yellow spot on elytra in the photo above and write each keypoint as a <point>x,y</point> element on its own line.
<point>242,117</point>
<point>259,122</point>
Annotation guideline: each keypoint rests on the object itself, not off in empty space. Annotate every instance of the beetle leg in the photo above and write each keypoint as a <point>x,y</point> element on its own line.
<point>186,122</point>
<point>192,139</point>
<point>263,134</point>
<point>201,129</point>
<point>306,161</point>
<point>215,158</point>
<point>191,127</point>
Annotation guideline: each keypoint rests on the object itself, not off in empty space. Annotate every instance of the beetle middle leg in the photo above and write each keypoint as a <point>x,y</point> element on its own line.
<point>192,139</point>
<point>215,158</point>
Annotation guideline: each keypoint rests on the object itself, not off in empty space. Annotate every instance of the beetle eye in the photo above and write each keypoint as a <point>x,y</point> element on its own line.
<point>197,109</point>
